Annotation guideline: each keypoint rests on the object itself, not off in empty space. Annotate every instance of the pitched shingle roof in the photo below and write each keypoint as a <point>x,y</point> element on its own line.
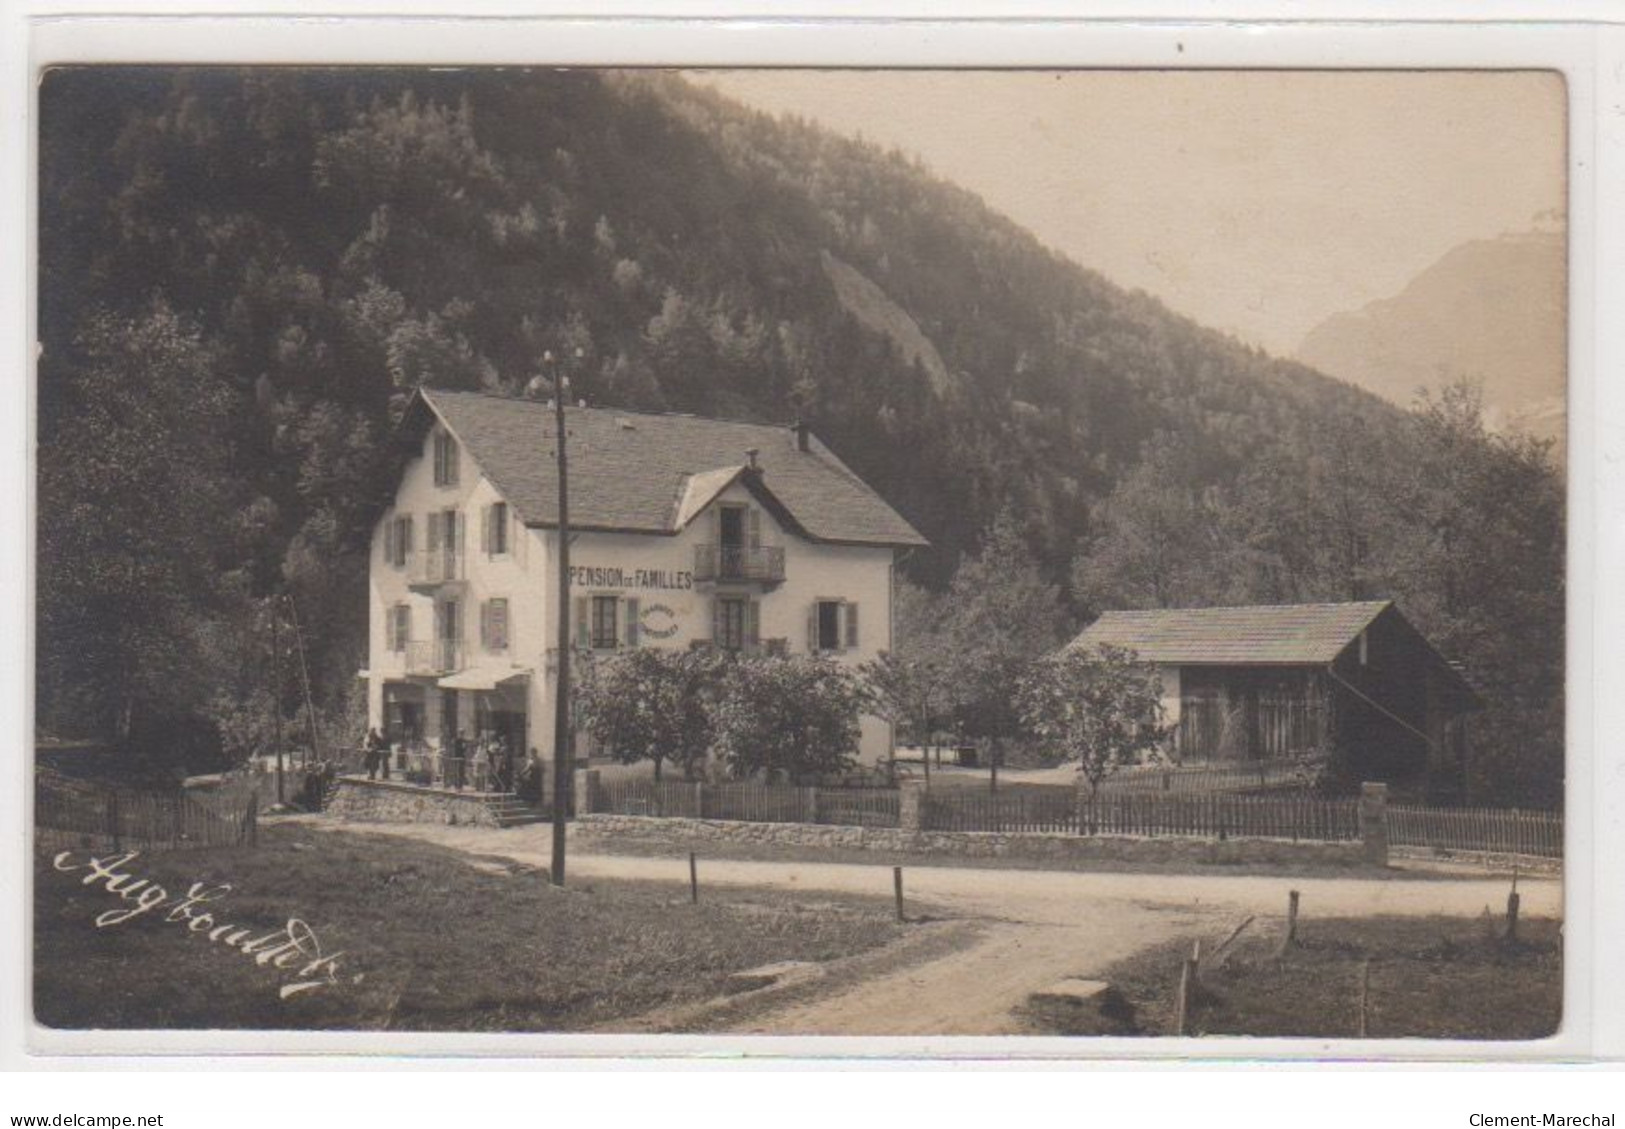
<point>631,470</point>
<point>1283,634</point>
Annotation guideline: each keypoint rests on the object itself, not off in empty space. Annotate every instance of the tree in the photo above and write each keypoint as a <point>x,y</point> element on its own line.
<point>1482,550</point>
<point>798,716</point>
<point>1158,541</point>
<point>133,485</point>
<point>651,704</point>
<point>1100,706</point>
<point>911,692</point>
<point>1001,616</point>
<point>918,617</point>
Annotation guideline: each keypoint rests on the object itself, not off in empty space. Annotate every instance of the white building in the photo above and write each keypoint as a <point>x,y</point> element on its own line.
<point>684,531</point>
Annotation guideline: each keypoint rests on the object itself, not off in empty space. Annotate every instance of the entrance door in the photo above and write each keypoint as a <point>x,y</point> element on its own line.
<point>448,721</point>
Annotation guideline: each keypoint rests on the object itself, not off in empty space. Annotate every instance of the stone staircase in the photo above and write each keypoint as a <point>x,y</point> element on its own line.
<point>328,792</point>
<point>508,810</point>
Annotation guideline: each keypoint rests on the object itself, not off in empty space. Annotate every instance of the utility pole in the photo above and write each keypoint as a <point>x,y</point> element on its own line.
<point>304,678</point>
<point>563,755</point>
<point>276,700</point>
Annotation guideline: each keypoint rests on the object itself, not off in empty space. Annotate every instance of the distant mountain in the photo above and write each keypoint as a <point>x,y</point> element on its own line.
<point>1492,310</point>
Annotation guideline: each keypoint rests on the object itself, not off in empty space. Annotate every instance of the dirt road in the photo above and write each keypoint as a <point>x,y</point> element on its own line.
<point>1039,925</point>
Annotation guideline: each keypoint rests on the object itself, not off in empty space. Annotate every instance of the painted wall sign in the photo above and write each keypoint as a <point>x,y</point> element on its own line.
<point>599,576</point>
<point>659,621</point>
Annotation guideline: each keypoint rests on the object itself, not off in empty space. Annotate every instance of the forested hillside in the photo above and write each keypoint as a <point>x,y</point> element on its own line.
<point>244,273</point>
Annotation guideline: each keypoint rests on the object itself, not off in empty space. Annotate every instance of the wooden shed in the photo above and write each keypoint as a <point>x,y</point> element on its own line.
<point>1276,682</point>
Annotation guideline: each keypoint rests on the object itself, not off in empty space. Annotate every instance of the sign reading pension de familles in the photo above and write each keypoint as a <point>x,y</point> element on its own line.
<point>646,579</point>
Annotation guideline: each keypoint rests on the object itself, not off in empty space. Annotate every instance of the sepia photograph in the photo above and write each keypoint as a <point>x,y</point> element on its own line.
<point>801,552</point>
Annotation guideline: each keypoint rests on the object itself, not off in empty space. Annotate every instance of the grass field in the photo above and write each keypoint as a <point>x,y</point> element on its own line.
<point>1430,977</point>
<point>428,940</point>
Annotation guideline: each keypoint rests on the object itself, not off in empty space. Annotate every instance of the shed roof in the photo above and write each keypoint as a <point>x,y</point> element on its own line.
<point>1278,634</point>
<point>632,471</point>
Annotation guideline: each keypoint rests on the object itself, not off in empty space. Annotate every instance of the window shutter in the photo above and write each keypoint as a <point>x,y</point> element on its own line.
<point>452,455</point>
<point>753,624</point>
<point>454,529</point>
<point>812,629</point>
<point>755,528</point>
<point>851,626</point>
<point>485,530</point>
<point>389,631</point>
<point>583,622</point>
<point>389,541</point>
<point>499,623</point>
<point>716,621</point>
<point>406,625</point>
<point>434,532</point>
<point>632,626</point>
<point>405,538</point>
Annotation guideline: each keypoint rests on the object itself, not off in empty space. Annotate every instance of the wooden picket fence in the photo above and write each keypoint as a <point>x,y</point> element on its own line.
<point>99,817</point>
<point>1253,776</point>
<point>1013,808</point>
<point>1060,810</point>
<point>748,802</point>
<point>1493,831</point>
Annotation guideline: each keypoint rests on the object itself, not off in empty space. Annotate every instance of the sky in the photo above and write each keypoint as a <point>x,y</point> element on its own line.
<point>1257,202</point>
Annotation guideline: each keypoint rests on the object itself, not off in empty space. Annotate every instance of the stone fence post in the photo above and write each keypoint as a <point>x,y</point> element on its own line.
<point>911,798</point>
<point>586,790</point>
<point>1374,822</point>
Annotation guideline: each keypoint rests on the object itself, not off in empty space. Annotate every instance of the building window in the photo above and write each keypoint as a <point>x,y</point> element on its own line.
<point>605,622</point>
<point>445,459</point>
<point>398,627</point>
<point>398,540</point>
<point>494,624</point>
<point>833,626</point>
<point>443,528</point>
<point>735,623</point>
<point>449,634</point>
<point>494,529</point>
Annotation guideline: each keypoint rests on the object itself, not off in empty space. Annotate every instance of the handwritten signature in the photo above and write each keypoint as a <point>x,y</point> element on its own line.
<point>282,949</point>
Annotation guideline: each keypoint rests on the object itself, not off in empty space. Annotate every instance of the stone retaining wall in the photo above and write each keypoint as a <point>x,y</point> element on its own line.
<point>1496,862</point>
<point>385,801</point>
<point>974,844</point>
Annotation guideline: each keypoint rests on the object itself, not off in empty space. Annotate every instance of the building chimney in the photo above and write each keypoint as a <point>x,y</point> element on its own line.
<point>803,435</point>
<point>751,453</point>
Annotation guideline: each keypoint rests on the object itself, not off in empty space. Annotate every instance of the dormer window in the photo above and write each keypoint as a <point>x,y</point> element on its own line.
<point>445,459</point>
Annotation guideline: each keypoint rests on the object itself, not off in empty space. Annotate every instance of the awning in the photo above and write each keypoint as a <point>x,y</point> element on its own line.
<point>477,678</point>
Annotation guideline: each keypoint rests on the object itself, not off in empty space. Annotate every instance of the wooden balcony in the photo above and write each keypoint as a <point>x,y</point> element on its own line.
<point>761,565</point>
